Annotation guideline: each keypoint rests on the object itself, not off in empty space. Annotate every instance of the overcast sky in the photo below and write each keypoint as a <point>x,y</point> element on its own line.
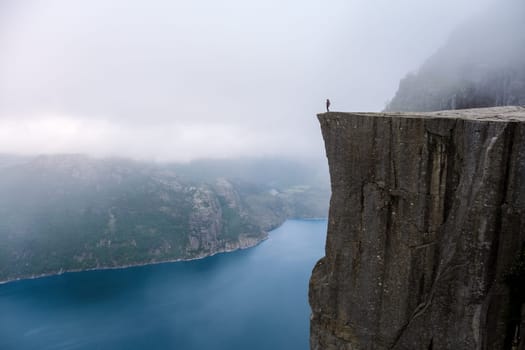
<point>178,80</point>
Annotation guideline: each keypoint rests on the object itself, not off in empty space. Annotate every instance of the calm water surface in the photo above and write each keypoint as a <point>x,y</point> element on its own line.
<point>249,299</point>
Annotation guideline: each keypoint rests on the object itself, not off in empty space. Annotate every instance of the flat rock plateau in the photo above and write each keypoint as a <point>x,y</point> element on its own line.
<point>426,233</point>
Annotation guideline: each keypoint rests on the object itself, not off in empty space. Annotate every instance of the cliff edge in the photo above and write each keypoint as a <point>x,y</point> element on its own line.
<point>426,232</point>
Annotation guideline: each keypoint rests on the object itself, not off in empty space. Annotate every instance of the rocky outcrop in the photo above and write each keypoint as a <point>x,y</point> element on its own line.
<point>426,229</point>
<point>72,212</point>
<point>481,65</point>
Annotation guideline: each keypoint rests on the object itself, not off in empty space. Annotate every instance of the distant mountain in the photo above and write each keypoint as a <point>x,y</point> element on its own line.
<point>72,212</point>
<point>482,65</point>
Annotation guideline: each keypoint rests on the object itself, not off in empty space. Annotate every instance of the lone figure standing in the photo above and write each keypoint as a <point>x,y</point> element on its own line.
<point>327,105</point>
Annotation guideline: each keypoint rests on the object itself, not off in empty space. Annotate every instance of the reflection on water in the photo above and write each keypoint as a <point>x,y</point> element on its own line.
<point>249,299</point>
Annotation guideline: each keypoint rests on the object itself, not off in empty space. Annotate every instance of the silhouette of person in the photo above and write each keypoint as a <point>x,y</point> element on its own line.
<point>327,105</point>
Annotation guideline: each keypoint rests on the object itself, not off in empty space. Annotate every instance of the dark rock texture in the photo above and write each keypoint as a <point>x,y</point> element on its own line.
<point>427,217</point>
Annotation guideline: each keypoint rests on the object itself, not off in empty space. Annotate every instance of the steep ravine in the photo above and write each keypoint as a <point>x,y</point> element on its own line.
<point>426,227</point>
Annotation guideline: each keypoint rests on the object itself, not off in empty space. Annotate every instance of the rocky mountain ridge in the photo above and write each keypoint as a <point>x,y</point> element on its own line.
<point>72,212</point>
<point>481,65</point>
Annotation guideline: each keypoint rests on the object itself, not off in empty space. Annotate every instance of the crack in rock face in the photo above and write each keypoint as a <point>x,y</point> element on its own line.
<point>427,215</point>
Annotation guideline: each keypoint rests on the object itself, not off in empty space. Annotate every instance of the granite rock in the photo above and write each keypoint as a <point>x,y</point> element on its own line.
<point>426,218</point>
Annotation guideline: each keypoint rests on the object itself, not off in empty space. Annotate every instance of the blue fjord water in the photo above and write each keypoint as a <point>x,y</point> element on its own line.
<point>249,299</point>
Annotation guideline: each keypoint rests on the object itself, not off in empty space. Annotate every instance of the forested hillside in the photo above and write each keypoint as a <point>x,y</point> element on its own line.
<point>72,212</point>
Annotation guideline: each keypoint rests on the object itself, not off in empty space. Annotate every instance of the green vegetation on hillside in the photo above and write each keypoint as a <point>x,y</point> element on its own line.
<point>71,212</point>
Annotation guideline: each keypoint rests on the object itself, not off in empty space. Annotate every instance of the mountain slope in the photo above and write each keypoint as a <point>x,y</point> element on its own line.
<point>71,212</point>
<point>480,66</point>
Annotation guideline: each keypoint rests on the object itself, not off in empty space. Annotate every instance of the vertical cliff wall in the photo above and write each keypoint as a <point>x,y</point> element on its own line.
<point>426,228</point>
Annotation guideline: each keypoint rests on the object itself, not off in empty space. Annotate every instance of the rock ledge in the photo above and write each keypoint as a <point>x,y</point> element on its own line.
<point>427,218</point>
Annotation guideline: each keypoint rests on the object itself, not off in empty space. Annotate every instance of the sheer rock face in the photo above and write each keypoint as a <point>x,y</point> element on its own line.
<point>426,217</point>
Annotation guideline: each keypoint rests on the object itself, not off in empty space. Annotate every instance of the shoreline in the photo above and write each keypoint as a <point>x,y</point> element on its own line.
<point>311,219</point>
<point>101,268</point>
<point>168,261</point>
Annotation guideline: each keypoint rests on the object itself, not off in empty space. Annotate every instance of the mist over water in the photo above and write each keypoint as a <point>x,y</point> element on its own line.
<point>172,80</point>
<point>185,81</point>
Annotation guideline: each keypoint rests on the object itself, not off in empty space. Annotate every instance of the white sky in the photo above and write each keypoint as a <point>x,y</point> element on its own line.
<point>178,80</point>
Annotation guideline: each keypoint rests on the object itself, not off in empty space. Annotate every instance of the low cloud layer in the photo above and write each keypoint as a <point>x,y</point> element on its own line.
<point>173,80</point>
